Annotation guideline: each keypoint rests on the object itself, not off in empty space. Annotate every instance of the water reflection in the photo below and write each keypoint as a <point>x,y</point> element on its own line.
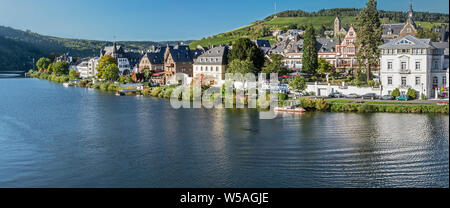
<point>73,137</point>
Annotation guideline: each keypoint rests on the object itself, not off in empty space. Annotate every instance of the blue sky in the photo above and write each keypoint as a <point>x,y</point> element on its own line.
<point>159,20</point>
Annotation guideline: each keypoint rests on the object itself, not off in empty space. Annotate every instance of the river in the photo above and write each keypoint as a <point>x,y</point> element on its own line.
<point>52,136</point>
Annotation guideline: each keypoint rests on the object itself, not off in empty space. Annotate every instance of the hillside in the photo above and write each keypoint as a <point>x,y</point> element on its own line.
<point>294,19</point>
<point>18,48</point>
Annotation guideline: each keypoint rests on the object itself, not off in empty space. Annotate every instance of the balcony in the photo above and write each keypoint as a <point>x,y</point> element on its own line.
<point>404,86</point>
<point>405,71</point>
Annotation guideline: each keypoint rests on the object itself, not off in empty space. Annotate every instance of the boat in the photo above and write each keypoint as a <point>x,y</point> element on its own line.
<point>290,109</point>
<point>67,84</point>
<point>119,93</point>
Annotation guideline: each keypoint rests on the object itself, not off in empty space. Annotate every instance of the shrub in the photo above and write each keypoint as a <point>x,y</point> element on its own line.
<point>322,105</point>
<point>412,94</point>
<point>395,93</point>
<point>367,108</point>
<point>112,87</point>
<point>146,92</point>
<point>423,97</point>
<point>282,96</point>
<point>307,103</point>
<point>104,86</point>
<point>83,83</point>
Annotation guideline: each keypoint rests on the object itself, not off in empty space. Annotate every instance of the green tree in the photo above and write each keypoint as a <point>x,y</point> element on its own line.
<point>241,66</point>
<point>43,63</point>
<point>275,65</point>
<point>324,66</point>
<point>148,73</point>
<point>412,94</point>
<point>369,37</point>
<point>395,93</point>
<point>298,84</point>
<point>244,49</point>
<point>309,58</point>
<point>111,72</point>
<point>60,68</point>
<point>103,63</point>
<point>424,33</point>
<point>73,74</point>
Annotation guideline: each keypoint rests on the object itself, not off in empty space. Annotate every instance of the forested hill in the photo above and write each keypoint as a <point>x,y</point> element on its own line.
<point>392,16</point>
<point>18,47</point>
<point>322,19</point>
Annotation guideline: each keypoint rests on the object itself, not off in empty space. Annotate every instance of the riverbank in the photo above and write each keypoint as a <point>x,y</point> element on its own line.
<point>310,104</point>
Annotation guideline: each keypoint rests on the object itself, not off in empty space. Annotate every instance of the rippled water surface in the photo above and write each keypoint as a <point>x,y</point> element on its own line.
<point>51,136</point>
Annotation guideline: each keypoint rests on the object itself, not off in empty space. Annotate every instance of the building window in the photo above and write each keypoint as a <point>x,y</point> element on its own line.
<point>403,81</point>
<point>389,65</point>
<point>403,65</point>
<point>435,80</point>
<point>217,68</point>
<point>417,65</point>
<point>408,30</point>
<point>435,64</point>
<point>389,80</point>
<point>444,80</point>
<point>417,80</point>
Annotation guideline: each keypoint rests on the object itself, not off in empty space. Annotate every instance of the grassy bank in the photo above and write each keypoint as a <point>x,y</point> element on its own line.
<point>372,106</point>
<point>331,105</point>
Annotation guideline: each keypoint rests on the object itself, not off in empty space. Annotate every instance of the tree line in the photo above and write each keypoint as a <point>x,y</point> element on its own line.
<point>394,16</point>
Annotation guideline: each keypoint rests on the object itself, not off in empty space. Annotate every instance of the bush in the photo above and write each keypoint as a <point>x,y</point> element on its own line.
<point>367,108</point>
<point>412,94</point>
<point>307,103</point>
<point>146,92</point>
<point>322,105</point>
<point>395,93</point>
<point>104,86</point>
<point>423,97</point>
<point>282,96</point>
<point>113,87</point>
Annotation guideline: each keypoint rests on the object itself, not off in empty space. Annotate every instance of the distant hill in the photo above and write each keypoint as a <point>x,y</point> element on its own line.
<point>292,19</point>
<point>18,47</point>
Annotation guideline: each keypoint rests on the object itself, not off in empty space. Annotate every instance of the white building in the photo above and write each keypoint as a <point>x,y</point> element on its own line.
<point>211,66</point>
<point>124,66</point>
<point>88,68</point>
<point>412,63</point>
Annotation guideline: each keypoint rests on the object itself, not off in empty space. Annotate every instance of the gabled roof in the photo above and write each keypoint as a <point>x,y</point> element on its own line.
<point>216,55</point>
<point>407,42</point>
<point>182,53</point>
<point>393,28</point>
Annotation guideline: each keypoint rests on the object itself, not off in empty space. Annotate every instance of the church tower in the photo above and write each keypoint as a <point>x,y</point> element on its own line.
<point>337,26</point>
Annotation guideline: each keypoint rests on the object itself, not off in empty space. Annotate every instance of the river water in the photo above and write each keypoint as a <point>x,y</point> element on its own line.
<point>52,136</point>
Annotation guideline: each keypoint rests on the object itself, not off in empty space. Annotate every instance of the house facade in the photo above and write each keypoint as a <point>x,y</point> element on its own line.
<point>179,59</point>
<point>211,66</point>
<point>126,61</point>
<point>153,61</point>
<point>392,31</point>
<point>412,63</point>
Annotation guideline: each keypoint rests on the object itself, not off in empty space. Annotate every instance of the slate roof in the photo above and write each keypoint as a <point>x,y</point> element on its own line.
<point>261,43</point>
<point>182,53</point>
<point>216,55</point>
<point>442,45</point>
<point>394,28</point>
<point>325,44</point>
<point>411,42</point>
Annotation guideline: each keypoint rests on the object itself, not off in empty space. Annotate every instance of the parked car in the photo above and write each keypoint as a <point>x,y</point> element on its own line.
<point>335,95</point>
<point>402,97</point>
<point>387,97</point>
<point>352,95</point>
<point>372,96</point>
